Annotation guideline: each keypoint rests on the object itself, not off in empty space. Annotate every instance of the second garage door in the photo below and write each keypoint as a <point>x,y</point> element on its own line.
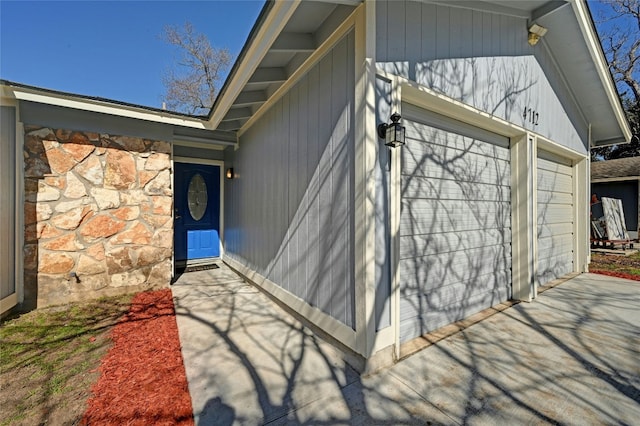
<point>555,217</point>
<point>455,222</point>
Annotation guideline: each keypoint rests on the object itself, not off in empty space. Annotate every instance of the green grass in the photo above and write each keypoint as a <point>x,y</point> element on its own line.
<point>48,356</point>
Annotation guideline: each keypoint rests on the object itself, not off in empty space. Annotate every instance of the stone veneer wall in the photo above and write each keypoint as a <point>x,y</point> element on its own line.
<point>98,206</point>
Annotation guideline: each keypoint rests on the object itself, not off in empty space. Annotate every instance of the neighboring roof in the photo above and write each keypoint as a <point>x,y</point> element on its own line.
<point>24,92</point>
<point>620,168</point>
<point>59,93</point>
<point>185,127</point>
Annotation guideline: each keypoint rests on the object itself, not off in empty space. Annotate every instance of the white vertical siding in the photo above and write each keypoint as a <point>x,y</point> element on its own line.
<point>293,200</point>
<point>482,59</point>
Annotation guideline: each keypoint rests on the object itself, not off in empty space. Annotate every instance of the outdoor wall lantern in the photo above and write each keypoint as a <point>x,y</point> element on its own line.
<point>229,173</point>
<point>536,32</point>
<point>393,134</point>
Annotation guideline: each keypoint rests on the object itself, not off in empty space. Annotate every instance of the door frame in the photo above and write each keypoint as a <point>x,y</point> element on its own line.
<point>202,161</point>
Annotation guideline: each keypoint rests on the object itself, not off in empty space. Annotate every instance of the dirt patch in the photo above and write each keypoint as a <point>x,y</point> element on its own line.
<point>616,265</point>
<point>49,360</point>
<point>142,378</point>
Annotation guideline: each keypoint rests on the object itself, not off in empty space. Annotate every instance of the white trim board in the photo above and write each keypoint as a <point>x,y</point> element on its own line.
<point>339,331</point>
<point>104,107</point>
<point>202,145</point>
<point>190,160</point>
<point>618,179</point>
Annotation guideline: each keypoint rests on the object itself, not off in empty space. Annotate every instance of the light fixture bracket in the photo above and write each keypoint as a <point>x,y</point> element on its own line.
<point>536,32</point>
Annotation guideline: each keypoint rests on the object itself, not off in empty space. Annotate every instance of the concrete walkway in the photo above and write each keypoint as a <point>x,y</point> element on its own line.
<point>571,357</point>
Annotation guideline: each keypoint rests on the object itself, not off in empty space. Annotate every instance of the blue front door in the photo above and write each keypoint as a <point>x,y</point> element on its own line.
<point>197,211</point>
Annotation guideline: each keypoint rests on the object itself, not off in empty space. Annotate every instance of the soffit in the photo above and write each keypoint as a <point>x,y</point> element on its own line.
<point>309,24</point>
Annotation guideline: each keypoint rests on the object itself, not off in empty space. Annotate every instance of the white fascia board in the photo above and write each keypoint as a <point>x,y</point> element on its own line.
<point>67,101</point>
<point>555,148</point>
<point>273,25</point>
<point>342,30</point>
<point>616,179</point>
<point>600,62</point>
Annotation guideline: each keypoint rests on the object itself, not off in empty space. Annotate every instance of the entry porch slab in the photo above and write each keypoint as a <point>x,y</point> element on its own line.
<point>571,357</point>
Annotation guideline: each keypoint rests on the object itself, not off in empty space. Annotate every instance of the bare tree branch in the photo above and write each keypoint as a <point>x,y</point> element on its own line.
<point>193,83</point>
<point>619,29</point>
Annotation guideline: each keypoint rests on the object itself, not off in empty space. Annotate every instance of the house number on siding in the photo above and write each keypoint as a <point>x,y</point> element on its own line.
<point>531,116</point>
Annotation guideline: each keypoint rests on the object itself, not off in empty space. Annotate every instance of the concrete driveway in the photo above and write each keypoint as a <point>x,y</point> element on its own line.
<point>571,357</point>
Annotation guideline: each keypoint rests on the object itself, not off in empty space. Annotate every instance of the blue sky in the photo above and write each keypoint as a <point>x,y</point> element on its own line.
<point>110,49</point>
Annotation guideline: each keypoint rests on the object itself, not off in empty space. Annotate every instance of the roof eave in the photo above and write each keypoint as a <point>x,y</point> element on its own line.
<point>269,25</point>
<point>21,92</point>
<point>585,21</point>
<point>610,142</point>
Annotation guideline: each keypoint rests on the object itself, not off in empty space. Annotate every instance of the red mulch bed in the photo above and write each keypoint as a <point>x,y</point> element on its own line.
<point>143,381</point>
<point>615,274</point>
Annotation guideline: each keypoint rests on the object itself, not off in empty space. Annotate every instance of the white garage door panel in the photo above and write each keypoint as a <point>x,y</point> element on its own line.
<point>420,315</point>
<point>423,187</point>
<point>553,229</point>
<point>448,146</point>
<point>553,163</point>
<point>554,197</point>
<point>431,272</point>
<point>455,222</point>
<point>559,243</point>
<point>420,216</point>
<point>415,222</point>
<point>432,244</point>
<point>555,267</point>
<point>466,167</point>
<point>447,296</point>
<point>415,118</point>
<point>549,182</point>
<point>554,213</point>
<point>555,219</point>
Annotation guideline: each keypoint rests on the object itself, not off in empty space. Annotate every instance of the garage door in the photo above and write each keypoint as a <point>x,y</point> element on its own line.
<point>555,218</point>
<point>455,222</point>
